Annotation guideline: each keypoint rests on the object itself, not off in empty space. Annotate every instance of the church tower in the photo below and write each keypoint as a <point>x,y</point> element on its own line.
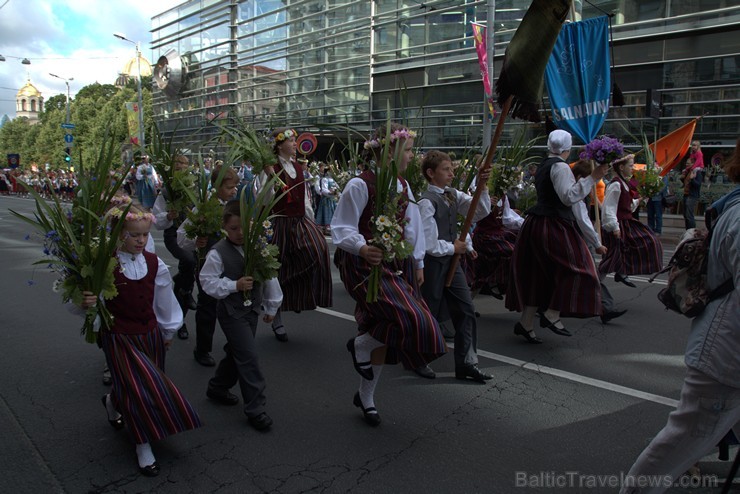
<point>29,103</point>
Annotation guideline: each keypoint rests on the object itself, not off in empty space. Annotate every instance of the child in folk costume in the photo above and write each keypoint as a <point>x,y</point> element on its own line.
<point>305,273</point>
<point>551,266</point>
<point>222,277</point>
<point>146,316</point>
<point>398,327</point>
<point>632,247</point>
<point>205,313</point>
<point>146,183</point>
<point>169,220</point>
<point>439,206</point>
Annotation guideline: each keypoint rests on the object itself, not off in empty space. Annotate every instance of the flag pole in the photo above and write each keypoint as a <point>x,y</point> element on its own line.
<point>479,187</point>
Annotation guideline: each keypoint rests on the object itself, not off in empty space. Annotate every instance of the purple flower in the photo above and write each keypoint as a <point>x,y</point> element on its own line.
<point>27,237</point>
<point>603,149</point>
<point>31,282</point>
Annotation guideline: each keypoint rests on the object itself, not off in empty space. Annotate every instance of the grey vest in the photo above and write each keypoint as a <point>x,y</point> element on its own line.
<point>234,269</point>
<point>445,214</point>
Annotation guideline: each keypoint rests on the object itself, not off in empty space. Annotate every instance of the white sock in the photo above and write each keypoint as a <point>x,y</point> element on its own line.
<point>527,319</point>
<point>552,316</point>
<point>367,388</point>
<point>144,455</point>
<point>112,412</point>
<point>364,345</point>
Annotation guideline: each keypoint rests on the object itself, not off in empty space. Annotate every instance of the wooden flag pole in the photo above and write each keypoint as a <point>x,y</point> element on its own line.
<point>479,189</point>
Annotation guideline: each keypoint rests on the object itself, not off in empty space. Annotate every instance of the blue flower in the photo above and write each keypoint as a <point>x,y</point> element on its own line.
<point>27,237</point>
<point>46,251</point>
<point>31,282</point>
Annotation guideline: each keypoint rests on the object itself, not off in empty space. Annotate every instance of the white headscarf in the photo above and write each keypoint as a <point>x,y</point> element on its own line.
<point>559,141</point>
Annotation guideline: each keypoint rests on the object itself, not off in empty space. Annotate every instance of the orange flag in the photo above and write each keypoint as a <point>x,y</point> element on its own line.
<point>669,150</point>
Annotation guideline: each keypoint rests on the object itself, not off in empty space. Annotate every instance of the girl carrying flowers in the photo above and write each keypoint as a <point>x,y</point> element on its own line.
<point>146,316</point>
<point>380,271</point>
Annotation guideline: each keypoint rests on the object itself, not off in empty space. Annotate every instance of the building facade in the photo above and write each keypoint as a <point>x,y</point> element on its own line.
<point>328,66</point>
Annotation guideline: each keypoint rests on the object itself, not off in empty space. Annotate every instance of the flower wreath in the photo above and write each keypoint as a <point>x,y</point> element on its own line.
<point>120,200</point>
<point>115,212</point>
<point>395,135</point>
<point>285,135</point>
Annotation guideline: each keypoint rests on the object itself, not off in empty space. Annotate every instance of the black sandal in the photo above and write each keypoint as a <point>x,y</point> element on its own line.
<point>546,323</point>
<point>363,368</point>
<point>280,336</point>
<point>372,417</point>
<point>520,331</point>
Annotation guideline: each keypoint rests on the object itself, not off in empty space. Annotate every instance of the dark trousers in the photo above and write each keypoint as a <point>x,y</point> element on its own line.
<point>240,363</point>
<point>459,304</point>
<point>185,277</point>
<point>655,216</point>
<point>689,203</point>
<point>205,321</point>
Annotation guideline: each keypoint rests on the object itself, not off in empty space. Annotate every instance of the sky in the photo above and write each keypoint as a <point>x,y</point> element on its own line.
<point>72,39</point>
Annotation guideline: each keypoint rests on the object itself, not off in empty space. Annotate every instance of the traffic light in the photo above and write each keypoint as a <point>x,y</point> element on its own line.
<point>67,155</point>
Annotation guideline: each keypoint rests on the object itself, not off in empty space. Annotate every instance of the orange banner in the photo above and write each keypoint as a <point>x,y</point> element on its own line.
<point>670,149</point>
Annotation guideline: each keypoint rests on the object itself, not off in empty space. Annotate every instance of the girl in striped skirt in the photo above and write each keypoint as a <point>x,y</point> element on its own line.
<point>146,316</point>
<point>551,268</point>
<point>398,327</point>
<point>305,272</point>
<point>631,247</point>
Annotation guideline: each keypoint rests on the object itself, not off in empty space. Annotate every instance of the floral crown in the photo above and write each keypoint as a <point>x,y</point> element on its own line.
<point>120,200</point>
<point>116,212</point>
<point>395,135</point>
<point>285,135</point>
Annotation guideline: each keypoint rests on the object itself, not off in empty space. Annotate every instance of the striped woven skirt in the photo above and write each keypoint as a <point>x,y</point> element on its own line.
<point>494,258</point>
<point>551,268</point>
<point>325,210</point>
<point>638,251</point>
<point>152,406</point>
<point>305,272</point>
<point>399,318</point>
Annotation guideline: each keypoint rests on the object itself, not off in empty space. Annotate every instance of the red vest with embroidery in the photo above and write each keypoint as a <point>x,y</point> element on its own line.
<point>624,205</point>
<point>364,225</point>
<point>133,307</point>
<point>292,204</point>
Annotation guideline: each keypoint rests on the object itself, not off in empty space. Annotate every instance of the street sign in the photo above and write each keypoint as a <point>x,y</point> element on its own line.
<point>68,126</point>
<point>68,138</point>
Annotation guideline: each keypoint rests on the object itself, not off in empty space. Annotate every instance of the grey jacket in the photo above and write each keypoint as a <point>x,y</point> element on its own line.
<point>714,340</point>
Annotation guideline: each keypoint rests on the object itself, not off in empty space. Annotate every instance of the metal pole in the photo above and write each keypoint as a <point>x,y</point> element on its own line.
<point>141,103</point>
<point>490,19</point>
<point>67,83</point>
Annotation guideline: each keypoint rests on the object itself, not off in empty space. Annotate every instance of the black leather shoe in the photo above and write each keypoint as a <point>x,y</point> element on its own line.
<point>261,422</point>
<point>182,333</point>
<point>473,372</point>
<point>186,299</point>
<point>624,279</point>
<point>227,398</point>
<point>546,323</point>
<point>372,417</point>
<point>107,378</point>
<point>280,336</point>
<point>528,335</point>
<point>150,470</point>
<point>117,424</point>
<point>605,318</point>
<point>363,368</point>
<point>425,371</point>
<point>204,359</point>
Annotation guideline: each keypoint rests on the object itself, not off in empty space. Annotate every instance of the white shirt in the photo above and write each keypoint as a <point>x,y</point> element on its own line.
<point>292,173</point>
<point>220,287</point>
<point>345,233</point>
<point>166,307</point>
<point>509,217</point>
<point>611,203</point>
<point>159,210</point>
<point>434,245</point>
<point>584,223</point>
<point>568,190</point>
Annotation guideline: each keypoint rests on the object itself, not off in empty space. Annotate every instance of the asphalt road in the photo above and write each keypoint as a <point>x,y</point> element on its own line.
<point>569,415</point>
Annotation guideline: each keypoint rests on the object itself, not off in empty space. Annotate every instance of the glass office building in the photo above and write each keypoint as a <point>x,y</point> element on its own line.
<point>319,65</point>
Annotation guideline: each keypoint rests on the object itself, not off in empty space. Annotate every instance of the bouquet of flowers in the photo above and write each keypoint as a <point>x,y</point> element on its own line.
<point>79,245</point>
<point>412,174</point>
<point>260,256</point>
<point>174,181</point>
<point>603,150</point>
<point>341,175</point>
<point>649,181</point>
<point>386,226</point>
<point>506,173</point>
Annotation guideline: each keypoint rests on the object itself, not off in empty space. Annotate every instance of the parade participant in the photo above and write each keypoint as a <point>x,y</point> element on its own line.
<point>708,407</point>
<point>169,220</point>
<point>438,207</point>
<point>329,192</point>
<point>146,183</point>
<point>398,326</point>
<point>305,274</point>
<point>582,169</point>
<point>551,262</point>
<point>145,317</point>
<point>205,312</point>
<point>631,247</point>
<point>222,277</point>
<point>692,177</point>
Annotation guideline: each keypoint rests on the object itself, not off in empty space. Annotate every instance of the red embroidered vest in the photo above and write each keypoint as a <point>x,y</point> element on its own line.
<point>624,205</point>
<point>292,204</point>
<point>133,307</point>
<point>364,225</point>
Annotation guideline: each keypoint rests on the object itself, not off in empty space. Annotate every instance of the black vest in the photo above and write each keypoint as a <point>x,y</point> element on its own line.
<point>548,202</point>
<point>234,269</point>
<point>445,214</point>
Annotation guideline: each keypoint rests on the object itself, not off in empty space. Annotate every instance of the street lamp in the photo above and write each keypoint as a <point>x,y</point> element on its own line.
<point>66,81</point>
<point>138,88</point>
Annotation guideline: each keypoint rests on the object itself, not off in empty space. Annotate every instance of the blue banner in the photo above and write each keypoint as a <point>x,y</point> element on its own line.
<point>578,78</point>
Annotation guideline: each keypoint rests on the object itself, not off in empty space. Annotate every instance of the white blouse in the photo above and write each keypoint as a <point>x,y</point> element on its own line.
<point>611,203</point>
<point>345,233</point>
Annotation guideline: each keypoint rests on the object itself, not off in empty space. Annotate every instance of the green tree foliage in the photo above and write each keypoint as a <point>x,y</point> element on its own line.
<point>97,111</point>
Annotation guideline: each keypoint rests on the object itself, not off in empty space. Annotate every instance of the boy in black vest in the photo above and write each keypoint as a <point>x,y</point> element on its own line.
<point>439,207</point>
<point>222,277</point>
